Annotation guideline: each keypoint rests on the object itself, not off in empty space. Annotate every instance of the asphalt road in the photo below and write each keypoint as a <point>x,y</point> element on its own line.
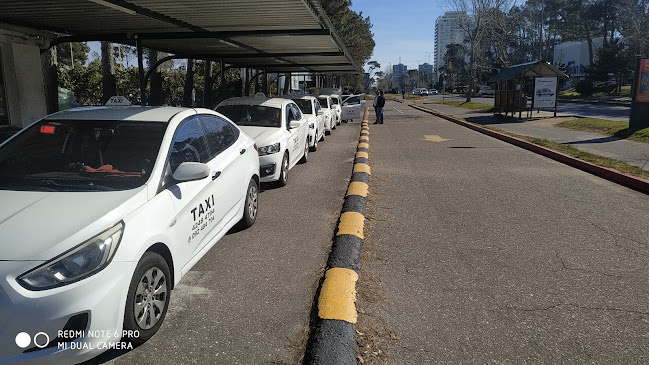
<point>248,301</point>
<point>479,252</point>
<point>610,112</point>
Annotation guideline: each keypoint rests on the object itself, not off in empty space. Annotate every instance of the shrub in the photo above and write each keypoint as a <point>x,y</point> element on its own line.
<point>585,87</point>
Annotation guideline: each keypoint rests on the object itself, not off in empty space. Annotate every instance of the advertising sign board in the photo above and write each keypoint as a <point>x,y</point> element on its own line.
<point>642,90</point>
<point>545,92</point>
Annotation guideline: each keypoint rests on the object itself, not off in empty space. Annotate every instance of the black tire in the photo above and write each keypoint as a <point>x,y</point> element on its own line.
<point>153,272</point>
<point>305,157</point>
<point>327,133</point>
<point>283,174</point>
<point>323,137</point>
<point>315,142</point>
<point>251,207</point>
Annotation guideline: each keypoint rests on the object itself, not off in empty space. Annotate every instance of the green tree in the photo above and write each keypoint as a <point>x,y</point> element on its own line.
<point>72,54</point>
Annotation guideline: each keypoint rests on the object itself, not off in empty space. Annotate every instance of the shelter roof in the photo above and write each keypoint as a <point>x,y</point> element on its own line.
<point>279,35</point>
<point>529,69</point>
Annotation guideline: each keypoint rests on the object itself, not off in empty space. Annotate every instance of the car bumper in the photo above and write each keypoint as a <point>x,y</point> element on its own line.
<point>100,299</point>
<point>269,167</point>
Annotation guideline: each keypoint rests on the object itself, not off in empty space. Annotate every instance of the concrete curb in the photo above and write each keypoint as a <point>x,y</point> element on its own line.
<point>331,341</point>
<point>613,175</point>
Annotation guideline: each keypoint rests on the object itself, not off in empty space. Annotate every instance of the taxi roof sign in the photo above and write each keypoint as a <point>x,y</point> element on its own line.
<point>118,101</point>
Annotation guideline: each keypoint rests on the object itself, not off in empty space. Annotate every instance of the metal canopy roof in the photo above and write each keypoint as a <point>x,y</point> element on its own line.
<point>529,69</point>
<point>279,35</point>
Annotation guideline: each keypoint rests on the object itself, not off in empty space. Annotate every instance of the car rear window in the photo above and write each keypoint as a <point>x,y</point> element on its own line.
<point>252,115</point>
<point>80,155</point>
<point>305,105</point>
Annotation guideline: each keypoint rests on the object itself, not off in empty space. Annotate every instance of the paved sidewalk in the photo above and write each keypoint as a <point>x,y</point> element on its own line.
<point>633,153</point>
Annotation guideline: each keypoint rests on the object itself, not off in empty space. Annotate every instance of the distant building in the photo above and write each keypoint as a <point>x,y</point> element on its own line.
<point>447,31</point>
<point>425,68</point>
<point>572,57</point>
<point>399,70</point>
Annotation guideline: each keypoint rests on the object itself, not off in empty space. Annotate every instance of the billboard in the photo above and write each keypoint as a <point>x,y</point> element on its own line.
<point>545,92</point>
<point>642,90</point>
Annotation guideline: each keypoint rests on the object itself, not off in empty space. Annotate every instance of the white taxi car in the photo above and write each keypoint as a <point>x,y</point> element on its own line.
<point>279,129</point>
<point>310,108</point>
<point>328,112</point>
<point>104,209</point>
<point>336,102</point>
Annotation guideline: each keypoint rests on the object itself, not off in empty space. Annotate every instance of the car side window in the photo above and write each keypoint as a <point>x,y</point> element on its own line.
<point>297,115</point>
<point>219,132</point>
<point>317,106</point>
<point>354,100</point>
<point>188,144</point>
<point>289,115</point>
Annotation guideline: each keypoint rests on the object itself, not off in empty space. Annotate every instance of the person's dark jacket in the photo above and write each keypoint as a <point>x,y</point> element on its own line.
<point>380,101</point>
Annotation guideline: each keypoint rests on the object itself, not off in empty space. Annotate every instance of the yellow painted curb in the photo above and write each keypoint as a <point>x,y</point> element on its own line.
<point>351,223</point>
<point>338,295</point>
<point>363,145</point>
<point>364,138</point>
<point>357,188</point>
<point>365,130</point>
<point>362,167</point>
<point>362,155</point>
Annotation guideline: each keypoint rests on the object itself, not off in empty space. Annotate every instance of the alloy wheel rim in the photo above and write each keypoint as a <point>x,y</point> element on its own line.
<point>252,202</point>
<point>150,298</point>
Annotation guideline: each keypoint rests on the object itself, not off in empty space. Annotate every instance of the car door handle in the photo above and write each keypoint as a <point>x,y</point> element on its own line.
<point>242,151</point>
<point>216,174</point>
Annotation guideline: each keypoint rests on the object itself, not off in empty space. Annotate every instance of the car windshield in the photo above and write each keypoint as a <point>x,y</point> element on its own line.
<point>305,105</point>
<point>80,155</point>
<point>252,115</point>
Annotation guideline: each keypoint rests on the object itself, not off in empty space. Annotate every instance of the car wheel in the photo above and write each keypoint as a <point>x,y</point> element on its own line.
<point>323,136</point>
<point>251,206</point>
<point>283,171</point>
<point>315,142</point>
<point>305,156</point>
<point>148,297</point>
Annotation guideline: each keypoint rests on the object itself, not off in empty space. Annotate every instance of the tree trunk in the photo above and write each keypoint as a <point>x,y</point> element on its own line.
<point>155,83</point>
<point>189,83</point>
<point>51,80</point>
<point>109,85</point>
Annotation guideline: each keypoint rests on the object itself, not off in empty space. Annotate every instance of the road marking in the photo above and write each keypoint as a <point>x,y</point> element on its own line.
<point>338,295</point>
<point>357,188</point>
<point>362,155</point>
<point>435,138</point>
<point>362,167</point>
<point>351,223</point>
<point>397,110</point>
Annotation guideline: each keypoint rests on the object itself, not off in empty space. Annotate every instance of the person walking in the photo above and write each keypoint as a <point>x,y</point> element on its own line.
<point>379,103</point>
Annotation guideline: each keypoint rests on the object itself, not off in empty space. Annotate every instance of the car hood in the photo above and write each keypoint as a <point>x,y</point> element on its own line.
<point>41,225</point>
<point>263,136</point>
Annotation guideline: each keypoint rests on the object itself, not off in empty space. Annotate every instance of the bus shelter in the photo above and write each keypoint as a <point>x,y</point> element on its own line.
<point>517,84</point>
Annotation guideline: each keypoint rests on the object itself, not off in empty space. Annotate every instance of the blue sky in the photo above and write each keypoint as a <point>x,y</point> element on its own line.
<point>402,28</point>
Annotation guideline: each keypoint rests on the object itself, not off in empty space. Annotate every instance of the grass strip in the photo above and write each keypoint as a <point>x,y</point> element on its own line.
<point>610,128</point>
<point>471,105</point>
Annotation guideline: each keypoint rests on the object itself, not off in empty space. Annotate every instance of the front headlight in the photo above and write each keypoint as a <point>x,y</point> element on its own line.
<point>267,150</point>
<point>76,264</point>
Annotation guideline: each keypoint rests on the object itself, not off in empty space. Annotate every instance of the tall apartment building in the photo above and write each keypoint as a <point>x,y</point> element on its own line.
<point>447,31</point>
<point>399,70</point>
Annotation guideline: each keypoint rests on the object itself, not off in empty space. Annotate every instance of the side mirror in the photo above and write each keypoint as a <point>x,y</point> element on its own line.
<point>189,171</point>
<point>294,124</point>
